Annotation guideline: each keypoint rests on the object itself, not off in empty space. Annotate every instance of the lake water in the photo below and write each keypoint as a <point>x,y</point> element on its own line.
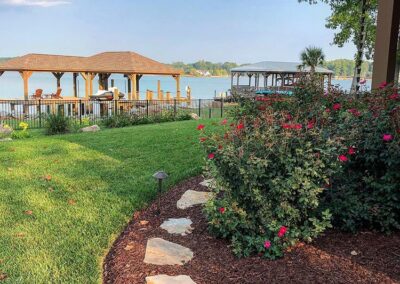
<point>11,85</point>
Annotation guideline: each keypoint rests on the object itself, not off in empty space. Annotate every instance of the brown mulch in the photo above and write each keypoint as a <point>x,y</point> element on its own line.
<point>327,260</point>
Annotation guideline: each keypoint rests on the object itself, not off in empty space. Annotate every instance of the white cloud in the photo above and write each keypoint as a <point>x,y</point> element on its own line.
<point>38,3</point>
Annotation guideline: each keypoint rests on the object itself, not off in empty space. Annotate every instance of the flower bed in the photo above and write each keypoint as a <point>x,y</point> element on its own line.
<point>288,169</point>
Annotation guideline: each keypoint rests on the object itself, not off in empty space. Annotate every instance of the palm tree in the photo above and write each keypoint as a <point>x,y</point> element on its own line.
<point>312,56</point>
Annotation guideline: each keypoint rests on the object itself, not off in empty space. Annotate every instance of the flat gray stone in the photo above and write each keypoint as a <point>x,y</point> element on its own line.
<point>93,128</point>
<point>165,279</point>
<point>192,197</point>
<point>207,182</point>
<point>180,226</point>
<point>162,252</point>
<point>194,116</point>
<point>4,131</point>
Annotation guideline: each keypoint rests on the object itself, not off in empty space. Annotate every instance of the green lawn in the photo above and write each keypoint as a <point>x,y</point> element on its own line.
<point>97,182</point>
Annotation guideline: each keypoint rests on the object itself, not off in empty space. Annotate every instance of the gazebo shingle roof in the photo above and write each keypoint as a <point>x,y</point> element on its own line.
<point>107,62</point>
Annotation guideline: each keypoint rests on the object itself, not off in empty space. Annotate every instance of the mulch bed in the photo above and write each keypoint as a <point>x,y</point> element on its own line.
<point>327,260</point>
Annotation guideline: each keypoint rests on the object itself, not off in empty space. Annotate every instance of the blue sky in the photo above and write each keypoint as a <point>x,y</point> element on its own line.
<point>242,31</point>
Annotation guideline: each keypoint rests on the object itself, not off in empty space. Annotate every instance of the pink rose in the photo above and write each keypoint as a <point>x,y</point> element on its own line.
<point>387,137</point>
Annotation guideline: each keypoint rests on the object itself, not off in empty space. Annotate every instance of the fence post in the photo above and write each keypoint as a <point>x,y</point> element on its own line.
<point>147,108</point>
<point>80,111</point>
<point>175,107</point>
<point>199,107</point>
<point>209,113</point>
<point>222,107</point>
<point>40,113</point>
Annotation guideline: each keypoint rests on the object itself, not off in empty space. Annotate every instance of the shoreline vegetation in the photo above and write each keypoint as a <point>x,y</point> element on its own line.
<point>343,68</point>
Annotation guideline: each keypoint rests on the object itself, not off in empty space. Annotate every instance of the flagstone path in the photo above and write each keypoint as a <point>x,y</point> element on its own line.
<point>162,252</point>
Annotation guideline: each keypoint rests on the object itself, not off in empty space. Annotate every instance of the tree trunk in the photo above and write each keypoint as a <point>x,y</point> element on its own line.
<point>397,70</point>
<point>355,86</point>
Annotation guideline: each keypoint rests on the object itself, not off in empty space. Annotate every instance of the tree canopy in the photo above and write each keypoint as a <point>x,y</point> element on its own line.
<point>345,20</point>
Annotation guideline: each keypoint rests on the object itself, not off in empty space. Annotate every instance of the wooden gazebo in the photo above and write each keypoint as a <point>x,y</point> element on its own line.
<point>130,64</point>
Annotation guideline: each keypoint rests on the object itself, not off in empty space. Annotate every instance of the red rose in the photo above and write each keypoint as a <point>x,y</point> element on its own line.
<point>394,96</point>
<point>351,151</point>
<point>267,244</point>
<point>211,156</point>
<point>337,106</point>
<point>200,127</point>
<point>289,117</point>
<point>240,126</point>
<point>286,126</point>
<point>354,111</point>
<point>343,158</point>
<point>224,122</point>
<point>282,231</point>
<point>310,124</point>
<point>202,139</point>
<point>222,210</point>
<point>382,85</point>
<point>297,126</point>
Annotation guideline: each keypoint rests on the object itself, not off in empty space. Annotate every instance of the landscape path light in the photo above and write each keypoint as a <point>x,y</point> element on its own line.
<point>160,176</point>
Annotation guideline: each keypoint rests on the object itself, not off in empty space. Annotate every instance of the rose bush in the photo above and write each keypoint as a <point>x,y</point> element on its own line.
<point>286,164</point>
<point>270,172</point>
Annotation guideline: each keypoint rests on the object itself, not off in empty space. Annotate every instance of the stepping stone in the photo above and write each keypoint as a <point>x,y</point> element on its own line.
<point>179,226</point>
<point>165,279</point>
<point>162,252</point>
<point>192,197</point>
<point>207,182</point>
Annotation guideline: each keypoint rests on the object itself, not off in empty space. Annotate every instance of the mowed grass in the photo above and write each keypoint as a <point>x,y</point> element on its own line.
<point>64,199</point>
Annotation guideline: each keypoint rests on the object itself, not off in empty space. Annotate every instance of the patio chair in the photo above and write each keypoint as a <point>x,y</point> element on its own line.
<point>57,95</point>
<point>38,94</point>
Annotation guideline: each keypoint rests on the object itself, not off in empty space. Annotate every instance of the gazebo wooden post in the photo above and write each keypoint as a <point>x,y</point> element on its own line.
<point>178,86</point>
<point>237,79</point>
<point>91,77</point>
<point>133,92</point>
<point>74,84</point>
<point>101,81</point>
<point>158,88</point>
<point>88,83</point>
<point>106,76</point>
<point>232,75</point>
<point>75,90</point>
<point>138,77</point>
<point>25,76</point>
<point>58,76</point>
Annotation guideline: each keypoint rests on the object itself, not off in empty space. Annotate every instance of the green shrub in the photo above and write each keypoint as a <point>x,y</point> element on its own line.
<point>364,193</point>
<point>57,124</point>
<point>287,164</point>
<point>270,173</point>
<point>117,121</point>
<point>125,119</point>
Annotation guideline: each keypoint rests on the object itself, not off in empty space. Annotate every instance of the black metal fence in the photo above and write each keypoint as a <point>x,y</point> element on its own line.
<point>34,112</point>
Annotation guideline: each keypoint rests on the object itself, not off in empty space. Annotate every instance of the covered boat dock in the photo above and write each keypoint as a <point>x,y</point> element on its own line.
<point>272,75</point>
